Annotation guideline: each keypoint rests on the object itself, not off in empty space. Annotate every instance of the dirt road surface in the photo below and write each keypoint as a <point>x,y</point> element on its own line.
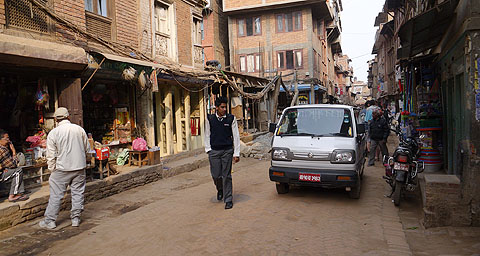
<point>181,216</point>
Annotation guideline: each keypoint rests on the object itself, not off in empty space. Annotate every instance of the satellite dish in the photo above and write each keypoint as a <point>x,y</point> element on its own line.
<point>208,4</point>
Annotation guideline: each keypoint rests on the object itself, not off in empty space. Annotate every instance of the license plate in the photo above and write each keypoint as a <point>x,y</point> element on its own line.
<point>400,167</point>
<point>311,177</point>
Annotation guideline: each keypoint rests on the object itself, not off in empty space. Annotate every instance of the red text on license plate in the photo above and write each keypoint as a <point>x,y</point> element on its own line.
<point>312,177</point>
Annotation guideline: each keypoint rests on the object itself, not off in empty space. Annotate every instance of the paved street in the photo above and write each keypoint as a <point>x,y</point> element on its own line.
<point>180,216</point>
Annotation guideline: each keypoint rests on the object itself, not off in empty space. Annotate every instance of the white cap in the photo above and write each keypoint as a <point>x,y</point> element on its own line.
<point>61,113</point>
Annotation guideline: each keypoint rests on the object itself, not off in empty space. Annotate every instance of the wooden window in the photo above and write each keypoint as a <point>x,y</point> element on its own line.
<point>251,26</point>
<point>250,63</point>
<point>288,22</point>
<point>243,64</point>
<point>292,59</point>
<point>99,7</point>
<point>197,31</point>
<point>162,22</point>
<point>23,14</point>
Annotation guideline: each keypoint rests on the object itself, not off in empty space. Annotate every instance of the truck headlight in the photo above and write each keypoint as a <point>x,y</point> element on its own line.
<point>280,154</point>
<point>343,157</point>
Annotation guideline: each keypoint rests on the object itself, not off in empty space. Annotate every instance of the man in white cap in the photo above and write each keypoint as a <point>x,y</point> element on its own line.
<point>67,146</point>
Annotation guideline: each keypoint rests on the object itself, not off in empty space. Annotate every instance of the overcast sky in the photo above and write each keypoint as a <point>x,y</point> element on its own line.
<point>358,34</point>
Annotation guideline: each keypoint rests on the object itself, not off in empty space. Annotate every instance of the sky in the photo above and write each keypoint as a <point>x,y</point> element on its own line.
<point>358,32</point>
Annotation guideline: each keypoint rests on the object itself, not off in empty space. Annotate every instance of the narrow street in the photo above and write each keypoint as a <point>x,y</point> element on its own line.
<point>181,216</point>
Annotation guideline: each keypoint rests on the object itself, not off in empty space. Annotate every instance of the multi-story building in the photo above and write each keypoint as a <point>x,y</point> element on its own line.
<point>109,62</point>
<point>435,46</point>
<point>385,48</point>
<point>344,78</point>
<point>215,36</point>
<point>277,36</point>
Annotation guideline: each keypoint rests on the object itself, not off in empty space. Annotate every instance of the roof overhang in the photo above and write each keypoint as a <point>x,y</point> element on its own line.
<point>320,7</point>
<point>388,28</point>
<point>425,31</point>
<point>36,53</point>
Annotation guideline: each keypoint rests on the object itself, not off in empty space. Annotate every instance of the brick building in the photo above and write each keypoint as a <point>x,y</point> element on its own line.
<point>266,38</point>
<point>215,36</point>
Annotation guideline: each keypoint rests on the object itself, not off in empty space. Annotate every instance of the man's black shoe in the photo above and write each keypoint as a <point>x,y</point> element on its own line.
<point>228,205</point>
<point>220,195</point>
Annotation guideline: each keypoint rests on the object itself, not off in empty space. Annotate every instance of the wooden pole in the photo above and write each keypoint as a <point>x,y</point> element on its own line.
<point>295,96</point>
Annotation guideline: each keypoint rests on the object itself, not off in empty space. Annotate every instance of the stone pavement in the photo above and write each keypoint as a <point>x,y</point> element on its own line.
<point>180,216</point>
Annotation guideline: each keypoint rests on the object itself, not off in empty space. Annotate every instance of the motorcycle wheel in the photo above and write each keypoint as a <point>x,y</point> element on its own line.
<point>396,193</point>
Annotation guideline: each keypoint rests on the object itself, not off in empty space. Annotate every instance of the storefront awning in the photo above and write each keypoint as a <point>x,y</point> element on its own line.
<point>36,53</point>
<point>425,31</point>
<point>127,60</point>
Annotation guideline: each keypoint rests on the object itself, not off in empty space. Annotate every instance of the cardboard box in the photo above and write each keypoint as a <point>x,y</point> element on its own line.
<point>103,153</point>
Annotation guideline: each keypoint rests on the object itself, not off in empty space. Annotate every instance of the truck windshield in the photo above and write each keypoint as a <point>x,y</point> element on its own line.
<point>316,122</point>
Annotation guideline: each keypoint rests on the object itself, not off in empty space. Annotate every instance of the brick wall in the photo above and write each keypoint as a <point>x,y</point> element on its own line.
<point>215,26</point>
<point>74,11</point>
<point>270,41</point>
<point>145,27</point>
<point>126,22</point>
<point>184,33</point>
<point>233,4</point>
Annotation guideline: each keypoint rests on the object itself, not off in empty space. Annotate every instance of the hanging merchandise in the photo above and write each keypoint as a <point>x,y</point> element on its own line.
<point>41,102</point>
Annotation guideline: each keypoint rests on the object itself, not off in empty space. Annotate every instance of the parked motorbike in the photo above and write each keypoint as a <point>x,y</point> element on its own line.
<point>402,168</point>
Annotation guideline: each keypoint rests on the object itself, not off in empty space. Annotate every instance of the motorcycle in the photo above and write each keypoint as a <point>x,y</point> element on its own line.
<point>402,168</point>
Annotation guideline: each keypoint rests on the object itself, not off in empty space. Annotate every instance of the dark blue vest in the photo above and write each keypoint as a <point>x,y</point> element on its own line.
<point>221,135</point>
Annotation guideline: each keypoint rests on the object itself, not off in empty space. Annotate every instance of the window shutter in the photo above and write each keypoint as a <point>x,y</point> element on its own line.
<point>24,14</point>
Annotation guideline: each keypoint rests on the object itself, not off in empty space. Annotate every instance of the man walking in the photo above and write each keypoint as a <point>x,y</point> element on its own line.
<point>67,146</point>
<point>222,143</point>
<point>379,131</point>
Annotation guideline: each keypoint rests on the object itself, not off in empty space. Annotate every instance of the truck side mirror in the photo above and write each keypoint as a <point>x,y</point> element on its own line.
<point>272,127</point>
<point>361,129</point>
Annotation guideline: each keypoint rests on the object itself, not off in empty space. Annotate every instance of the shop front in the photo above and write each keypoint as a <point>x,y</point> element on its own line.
<point>34,82</point>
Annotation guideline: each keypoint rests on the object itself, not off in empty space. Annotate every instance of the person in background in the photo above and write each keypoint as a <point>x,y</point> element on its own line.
<point>379,131</point>
<point>222,143</point>
<point>10,170</point>
<point>67,148</point>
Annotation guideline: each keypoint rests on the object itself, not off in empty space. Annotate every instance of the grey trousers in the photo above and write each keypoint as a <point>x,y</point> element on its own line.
<point>221,170</point>
<point>16,175</point>
<point>59,180</point>
<point>373,149</point>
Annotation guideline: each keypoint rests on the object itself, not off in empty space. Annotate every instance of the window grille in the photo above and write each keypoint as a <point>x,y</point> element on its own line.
<point>24,14</point>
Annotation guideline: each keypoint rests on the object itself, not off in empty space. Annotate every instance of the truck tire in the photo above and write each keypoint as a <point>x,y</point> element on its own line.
<point>282,188</point>
<point>355,191</point>
<point>397,193</point>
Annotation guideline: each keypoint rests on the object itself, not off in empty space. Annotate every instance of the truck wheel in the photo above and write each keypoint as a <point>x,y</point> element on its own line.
<point>396,193</point>
<point>355,191</point>
<point>282,188</point>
